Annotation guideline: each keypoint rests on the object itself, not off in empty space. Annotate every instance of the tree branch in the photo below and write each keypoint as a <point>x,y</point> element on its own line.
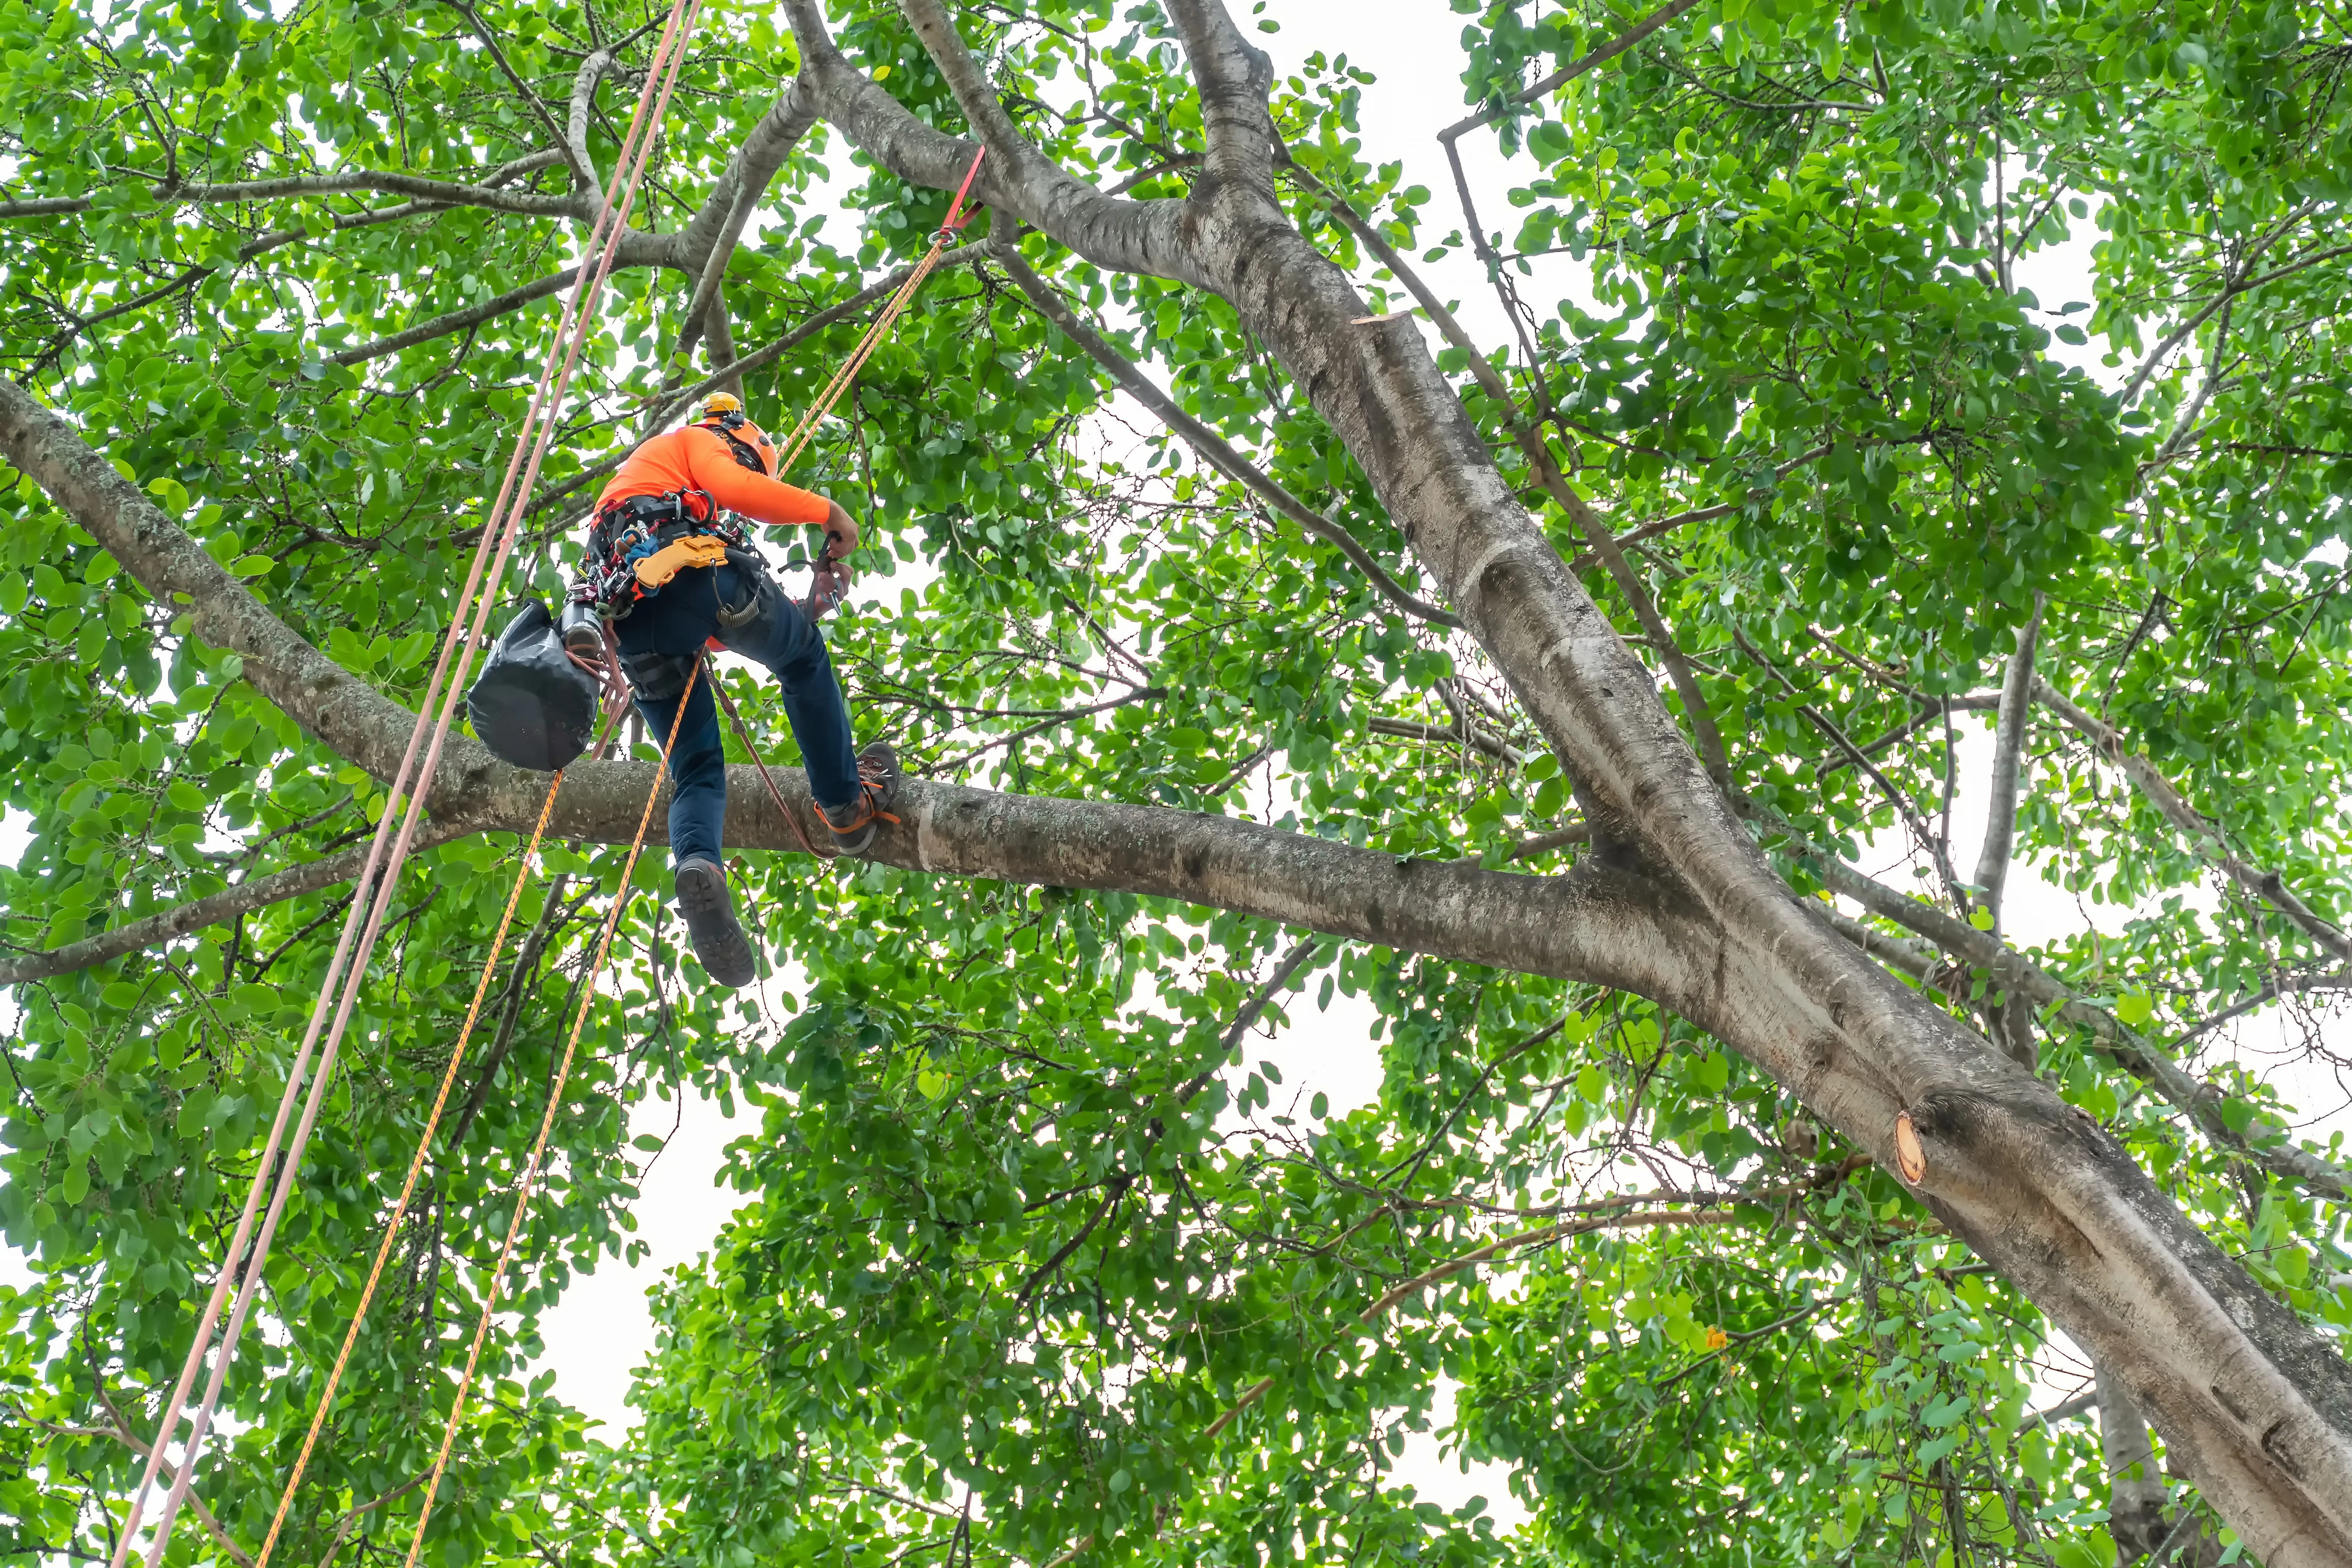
<point>1458,733</point>
<point>1212,448</point>
<point>509,1007</point>
<point>417,187</point>
<point>1568,73</point>
<point>1232,77</point>
<point>581,175</point>
<point>2175,809</point>
<point>257,893</point>
<point>575,135</point>
<point>1667,524</point>
<point>2020,977</point>
<point>1537,452</point>
<point>130,1439</point>
<point>2173,339</point>
<point>457,320</point>
<point>745,181</point>
<point>2008,750</point>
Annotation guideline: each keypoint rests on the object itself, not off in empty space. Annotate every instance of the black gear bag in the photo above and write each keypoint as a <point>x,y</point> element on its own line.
<point>531,704</point>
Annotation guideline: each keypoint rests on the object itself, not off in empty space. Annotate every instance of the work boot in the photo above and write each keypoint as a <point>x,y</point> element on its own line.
<point>710,914</point>
<point>877,791</point>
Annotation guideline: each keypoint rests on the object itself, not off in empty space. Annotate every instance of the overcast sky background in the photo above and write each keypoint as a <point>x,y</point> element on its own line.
<point>602,1330</point>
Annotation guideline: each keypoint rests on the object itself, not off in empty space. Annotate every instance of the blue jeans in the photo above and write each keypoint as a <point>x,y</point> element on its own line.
<point>660,640</point>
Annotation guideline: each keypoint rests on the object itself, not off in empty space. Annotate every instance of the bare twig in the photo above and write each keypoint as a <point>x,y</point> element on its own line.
<point>1212,448</point>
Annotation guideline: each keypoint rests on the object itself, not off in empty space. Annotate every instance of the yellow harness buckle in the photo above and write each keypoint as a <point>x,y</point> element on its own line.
<point>700,549</point>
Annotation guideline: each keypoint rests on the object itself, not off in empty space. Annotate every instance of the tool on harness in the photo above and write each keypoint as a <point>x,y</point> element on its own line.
<point>533,704</point>
<point>654,571</point>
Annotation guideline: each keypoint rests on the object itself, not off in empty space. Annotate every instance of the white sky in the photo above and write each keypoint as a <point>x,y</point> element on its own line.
<point>602,1330</point>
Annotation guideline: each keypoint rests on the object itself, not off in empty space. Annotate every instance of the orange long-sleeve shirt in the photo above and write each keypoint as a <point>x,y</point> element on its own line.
<point>697,458</point>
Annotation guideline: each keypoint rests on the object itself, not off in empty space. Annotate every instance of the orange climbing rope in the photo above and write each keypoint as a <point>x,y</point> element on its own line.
<point>539,1145</point>
<point>880,328</point>
<point>389,850</point>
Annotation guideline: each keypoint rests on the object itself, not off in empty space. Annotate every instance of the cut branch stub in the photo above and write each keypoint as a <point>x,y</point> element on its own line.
<point>1910,1154</point>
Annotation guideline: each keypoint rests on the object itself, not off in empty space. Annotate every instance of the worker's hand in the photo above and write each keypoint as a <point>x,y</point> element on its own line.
<point>840,531</point>
<point>829,588</point>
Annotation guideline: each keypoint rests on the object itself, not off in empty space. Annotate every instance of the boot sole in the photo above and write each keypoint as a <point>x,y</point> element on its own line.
<point>710,924</point>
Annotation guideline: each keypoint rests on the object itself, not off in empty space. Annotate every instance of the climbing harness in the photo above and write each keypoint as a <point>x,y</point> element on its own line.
<point>505,521</point>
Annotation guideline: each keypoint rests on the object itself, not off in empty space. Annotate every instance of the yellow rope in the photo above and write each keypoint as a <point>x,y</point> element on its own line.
<point>546,1125</point>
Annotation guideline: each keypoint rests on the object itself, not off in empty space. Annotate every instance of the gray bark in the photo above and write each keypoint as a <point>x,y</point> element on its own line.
<point>1132,236</point>
<point>2136,1514</point>
<point>716,227</point>
<point>2009,1019</point>
<point>165,925</point>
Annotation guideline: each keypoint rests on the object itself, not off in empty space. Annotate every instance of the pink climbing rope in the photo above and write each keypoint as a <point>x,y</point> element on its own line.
<point>389,850</point>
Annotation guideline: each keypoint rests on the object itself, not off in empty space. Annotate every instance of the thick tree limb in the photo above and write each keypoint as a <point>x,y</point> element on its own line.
<point>2202,830</point>
<point>584,178</point>
<point>1132,236</point>
<point>1232,76</point>
<point>1212,448</point>
<point>733,200</point>
<point>2135,1489</point>
<point>256,892</point>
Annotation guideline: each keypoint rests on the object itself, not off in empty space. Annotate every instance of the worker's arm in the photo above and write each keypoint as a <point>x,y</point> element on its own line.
<point>712,467</point>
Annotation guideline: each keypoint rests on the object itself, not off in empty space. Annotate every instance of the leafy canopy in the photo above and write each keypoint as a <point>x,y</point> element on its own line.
<point>1026,1217</point>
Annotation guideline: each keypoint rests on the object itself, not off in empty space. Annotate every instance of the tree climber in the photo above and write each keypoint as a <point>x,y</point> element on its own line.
<point>676,573</point>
